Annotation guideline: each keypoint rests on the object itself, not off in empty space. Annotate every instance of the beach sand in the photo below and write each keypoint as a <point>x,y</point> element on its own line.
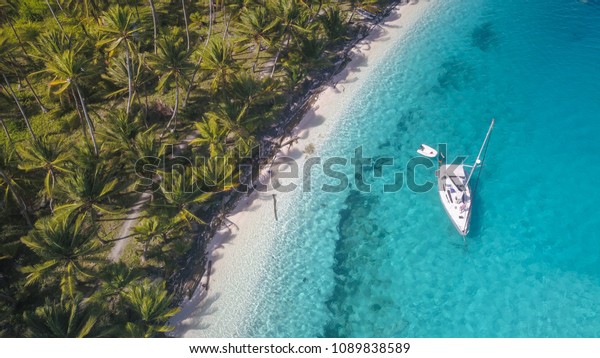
<point>240,252</point>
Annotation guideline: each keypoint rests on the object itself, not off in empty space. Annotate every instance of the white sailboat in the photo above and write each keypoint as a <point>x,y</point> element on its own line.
<point>453,187</point>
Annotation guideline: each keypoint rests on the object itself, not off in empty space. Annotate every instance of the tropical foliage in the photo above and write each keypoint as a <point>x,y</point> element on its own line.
<point>127,120</point>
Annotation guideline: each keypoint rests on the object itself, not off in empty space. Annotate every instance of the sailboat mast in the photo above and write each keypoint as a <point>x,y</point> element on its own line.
<point>481,150</point>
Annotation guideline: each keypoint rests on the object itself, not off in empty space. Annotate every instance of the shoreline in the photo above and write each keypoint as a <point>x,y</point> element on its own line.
<point>243,240</point>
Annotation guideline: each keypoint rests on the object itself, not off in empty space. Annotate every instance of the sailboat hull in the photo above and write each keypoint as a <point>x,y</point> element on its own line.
<point>455,195</point>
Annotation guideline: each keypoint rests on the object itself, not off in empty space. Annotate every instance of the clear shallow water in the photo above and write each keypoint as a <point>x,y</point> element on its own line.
<point>383,265</point>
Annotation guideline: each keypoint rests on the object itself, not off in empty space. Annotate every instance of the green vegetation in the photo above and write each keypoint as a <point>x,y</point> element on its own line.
<point>95,92</point>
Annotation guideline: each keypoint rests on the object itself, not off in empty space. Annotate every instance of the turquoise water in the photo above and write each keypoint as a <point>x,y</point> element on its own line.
<point>379,264</point>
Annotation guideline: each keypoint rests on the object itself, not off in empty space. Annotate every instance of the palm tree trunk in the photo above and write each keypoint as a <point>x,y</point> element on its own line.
<point>88,120</point>
<point>37,99</point>
<point>275,61</point>
<point>285,40</point>
<point>174,109</point>
<point>79,114</point>
<point>129,81</point>
<point>153,10</point>
<point>6,132</point>
<point>210,23</point>
<point>187,30</point>
<point>20,203</point>
<point>18,38</point>
<point>226,32</point>
<point>20,108</point>
<point>145,110</point>
<point>19,73</point>
<point>55,18</point>
<point>52,180</point>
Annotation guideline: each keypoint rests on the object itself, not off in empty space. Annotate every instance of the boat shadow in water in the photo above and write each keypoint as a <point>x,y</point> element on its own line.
<point>476,226</point>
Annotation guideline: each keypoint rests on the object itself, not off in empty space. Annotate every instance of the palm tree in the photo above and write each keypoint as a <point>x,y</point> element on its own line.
<point>156,228</point>
<point>88,189</point>
<point>179,192</point>
<point>218,174</point>
<point>9,63</point>
<point>172,65</point>
<point>118,131</point>
<point>70,70</point>
<point>256,27</point>
<point>9,180</point>
<point>64,319</point>
<point>48,155</point>
<point>150,307</point>
<point>210,133</point>
<point>117,74</point>
<point>87,7</point>
<point>67,250</point>
<point>334,23</point>
<point>234,117</point>
<point>289,15</point>
<point>115,279</point>
<point>6,8</point>
<point>246,88</point>
<point>219,60</point>
<point>201,55</point>
<point>120,27</point>
<point>146,152</point>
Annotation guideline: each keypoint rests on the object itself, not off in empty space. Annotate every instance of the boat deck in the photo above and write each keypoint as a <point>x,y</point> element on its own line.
<point>455,195</point>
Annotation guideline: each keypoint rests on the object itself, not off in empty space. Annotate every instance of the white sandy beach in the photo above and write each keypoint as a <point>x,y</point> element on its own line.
<point>241,252</point>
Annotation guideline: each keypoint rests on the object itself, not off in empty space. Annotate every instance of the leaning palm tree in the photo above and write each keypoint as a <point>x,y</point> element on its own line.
<point>218,173</point>
<point>247,88</point>
<point>49,155</point>
<point>179,191</point>
<point>220,62</point>
<point>334,23</point>
<point>88,189</point>
<point>256,28</point>
<point>118,130</point>
<point>211,134</point>
<point>172,65</point>
<point>118,75</point>
<point>235,117</point>
<point>290,16</point>
<point>67,250</point>
<point>156,228</point>
<point>150,307</point>
<point>70,70</point>
<point>211,19</point>
<point>64,319</point>
<point>115,279</point>
<point>121,29</point>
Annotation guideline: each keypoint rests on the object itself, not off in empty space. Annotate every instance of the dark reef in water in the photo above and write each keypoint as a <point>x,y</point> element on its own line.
<point>357,250</point>
<point>455,74</point>
<point>483,37</point>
